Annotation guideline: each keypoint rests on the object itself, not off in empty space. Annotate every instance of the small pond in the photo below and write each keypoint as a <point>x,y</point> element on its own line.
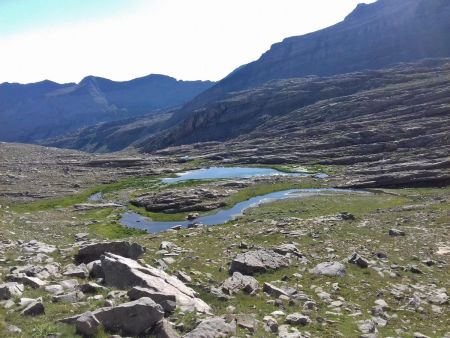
<point>98,196</point>
<point>228,172</point>
<point>134,220</point>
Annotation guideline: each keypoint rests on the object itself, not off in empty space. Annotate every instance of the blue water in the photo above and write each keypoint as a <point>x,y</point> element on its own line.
<point>98,196</point>
<point>134,220</point>
<point>226,172</point>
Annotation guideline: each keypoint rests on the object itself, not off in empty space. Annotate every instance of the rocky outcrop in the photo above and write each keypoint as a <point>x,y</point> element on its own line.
<point>258,261</point>
<point>126,273</point>
<point>177,200</point>
<point>133,318</point>
<point>92,252</point>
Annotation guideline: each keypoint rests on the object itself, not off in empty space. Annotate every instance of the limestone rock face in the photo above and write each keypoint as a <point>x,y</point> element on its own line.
<point>93,252</point>
<point>125,273</point>
<point>258,261</point>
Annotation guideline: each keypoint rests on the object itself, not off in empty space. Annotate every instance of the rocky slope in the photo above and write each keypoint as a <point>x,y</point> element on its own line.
<point>388,120</point>
<point>373,36</point>
<point>46,109</point>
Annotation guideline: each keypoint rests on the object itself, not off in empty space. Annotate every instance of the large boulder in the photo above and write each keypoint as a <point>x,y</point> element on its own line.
<point>239,282</point>
<point>93,252</point>
<point>35,308</point>
<point>9,290</point>
<point>257,261</point>
<point>331,269</point>
<point>133,318</point>
<point>125,273</point>
<point>216,327</point>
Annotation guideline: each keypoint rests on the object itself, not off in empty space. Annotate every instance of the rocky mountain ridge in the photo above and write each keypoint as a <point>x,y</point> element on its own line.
<point>31,112</point>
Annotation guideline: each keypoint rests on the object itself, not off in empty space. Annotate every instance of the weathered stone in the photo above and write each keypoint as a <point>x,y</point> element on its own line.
<point>247,322</point>
<point>69,284</point>
<point>95,269</point>
<point>87,324</point>
<point>396,233</point>
<point>184,277</point>
<point>367,326</point>
<point>216,327</point>
<point>274,290</point>
<point>11,289</point>
<point>80,237</point>
<point>133,318</point>
<point>439,298</point>
<point>168,302</point>
<point>355,258</point>
<point>169,246</point>
<point>270,324</point>
<point>125,273</point>
<point>258,261</point>
<point>90,287</point>
<point>79,271</point>
<point>13,329</point>
<point>93,252</point>
<point>297,319</point>
<point>164,329</point>
<point>238,282</point>
<point>34,282</point>
<point>37,247</point>
<point>331,269</point>
<point>34,309</point>
<point>285,249</point>
<point>71,297</point>
<point>54,288</point>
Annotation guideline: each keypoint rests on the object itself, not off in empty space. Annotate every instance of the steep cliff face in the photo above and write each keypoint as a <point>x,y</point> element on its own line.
<point>47,109</point>
<point>373,36</point>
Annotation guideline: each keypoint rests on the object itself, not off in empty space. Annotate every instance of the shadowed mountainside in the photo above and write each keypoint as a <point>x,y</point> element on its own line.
<point>46,109</point>
<point>373,36</point>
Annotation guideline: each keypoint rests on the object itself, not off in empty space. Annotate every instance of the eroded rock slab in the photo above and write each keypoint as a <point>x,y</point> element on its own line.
<point>216,327</point>
<point>258,261</point>
<point>133,318</point>
<point>125,273</point>
<point>331,269</point>
<point>92,252</point>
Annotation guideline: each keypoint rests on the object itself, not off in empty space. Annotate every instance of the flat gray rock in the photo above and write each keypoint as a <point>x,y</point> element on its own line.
<point>215,327</point>
<point>331,269</point>
<point>93,252</point>
<point>133,318</point>
<point>238,282</point>
<point>258,261</point>
<point>11,289</point>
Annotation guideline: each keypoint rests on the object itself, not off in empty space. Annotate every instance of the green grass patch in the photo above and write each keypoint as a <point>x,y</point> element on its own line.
<point>267,188</point>
<point>112,231</point>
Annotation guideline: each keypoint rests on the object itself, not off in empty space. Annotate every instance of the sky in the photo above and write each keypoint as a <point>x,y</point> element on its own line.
<point>66,40</point>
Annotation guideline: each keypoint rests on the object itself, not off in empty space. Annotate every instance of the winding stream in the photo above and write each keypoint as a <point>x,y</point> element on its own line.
<point>134,220</point>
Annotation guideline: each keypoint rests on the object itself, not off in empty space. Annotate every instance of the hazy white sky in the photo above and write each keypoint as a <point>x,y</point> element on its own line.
<point>66,40</point>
